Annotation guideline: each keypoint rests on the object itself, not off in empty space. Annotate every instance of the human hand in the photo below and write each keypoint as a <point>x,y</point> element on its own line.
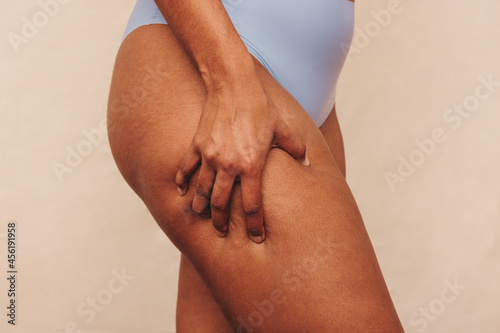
<point>238,127</point>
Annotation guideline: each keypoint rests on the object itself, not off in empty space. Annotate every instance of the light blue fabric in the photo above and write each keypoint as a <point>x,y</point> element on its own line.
<point>301,43</point>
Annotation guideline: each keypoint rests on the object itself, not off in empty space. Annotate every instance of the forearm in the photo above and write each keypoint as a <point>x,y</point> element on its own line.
<point>206,32</point>
<point>239,123</point>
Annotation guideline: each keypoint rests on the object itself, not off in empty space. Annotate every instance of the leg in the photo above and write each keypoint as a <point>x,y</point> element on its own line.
<point>197,310</point>
<point>316,271</point>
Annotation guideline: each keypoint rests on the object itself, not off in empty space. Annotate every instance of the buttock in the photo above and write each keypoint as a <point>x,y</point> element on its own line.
<point>303,44</point>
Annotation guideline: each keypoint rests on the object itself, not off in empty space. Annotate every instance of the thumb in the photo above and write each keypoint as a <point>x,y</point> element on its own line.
<point>285,139</point>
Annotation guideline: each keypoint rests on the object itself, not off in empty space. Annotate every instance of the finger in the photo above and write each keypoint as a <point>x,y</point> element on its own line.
<point>188,166</point>
<point>289,142</point>
<point>251,197</point>
<point>221,195</point>
<point>203,188</point>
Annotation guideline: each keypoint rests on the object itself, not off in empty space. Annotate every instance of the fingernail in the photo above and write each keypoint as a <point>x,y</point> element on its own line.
<point>306,162</point>
<point>258,239</point>
<point>181,192</point>
<point>221,232</point>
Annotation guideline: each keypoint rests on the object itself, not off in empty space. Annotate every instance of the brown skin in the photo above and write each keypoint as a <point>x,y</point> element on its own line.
<point>342,290</point>
<point>197,311</point>
<point>239,122</point>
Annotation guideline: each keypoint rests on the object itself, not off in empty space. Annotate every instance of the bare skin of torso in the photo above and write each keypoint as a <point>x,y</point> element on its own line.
<point>316,271</point>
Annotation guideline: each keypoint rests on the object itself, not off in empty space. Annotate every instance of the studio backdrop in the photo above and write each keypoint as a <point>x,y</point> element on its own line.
<point>419,107</point>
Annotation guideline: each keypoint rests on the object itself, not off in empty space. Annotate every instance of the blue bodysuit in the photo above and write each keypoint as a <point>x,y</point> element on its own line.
<point>302,43</point>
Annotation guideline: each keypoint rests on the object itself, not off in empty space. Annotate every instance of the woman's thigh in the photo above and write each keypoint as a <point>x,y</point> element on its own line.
<point>316,271</point>
<point>197,310</point>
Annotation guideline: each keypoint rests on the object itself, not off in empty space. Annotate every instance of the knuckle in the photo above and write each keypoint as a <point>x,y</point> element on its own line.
<point>229,166</point>
<point>210,154</point>
<point>250,167</point>
<point>252,208</point>
<point>249,161</point>
<point>222,187</point>
<point>197,142</point>
<point>201,191</point>
<point>209,157</point>
<point>218,205</point>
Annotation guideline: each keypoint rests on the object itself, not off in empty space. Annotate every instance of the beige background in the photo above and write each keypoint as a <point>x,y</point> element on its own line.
<point>440,224</point>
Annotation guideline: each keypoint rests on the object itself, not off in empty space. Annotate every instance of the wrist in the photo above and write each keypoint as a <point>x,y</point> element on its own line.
<point>227,74</point>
